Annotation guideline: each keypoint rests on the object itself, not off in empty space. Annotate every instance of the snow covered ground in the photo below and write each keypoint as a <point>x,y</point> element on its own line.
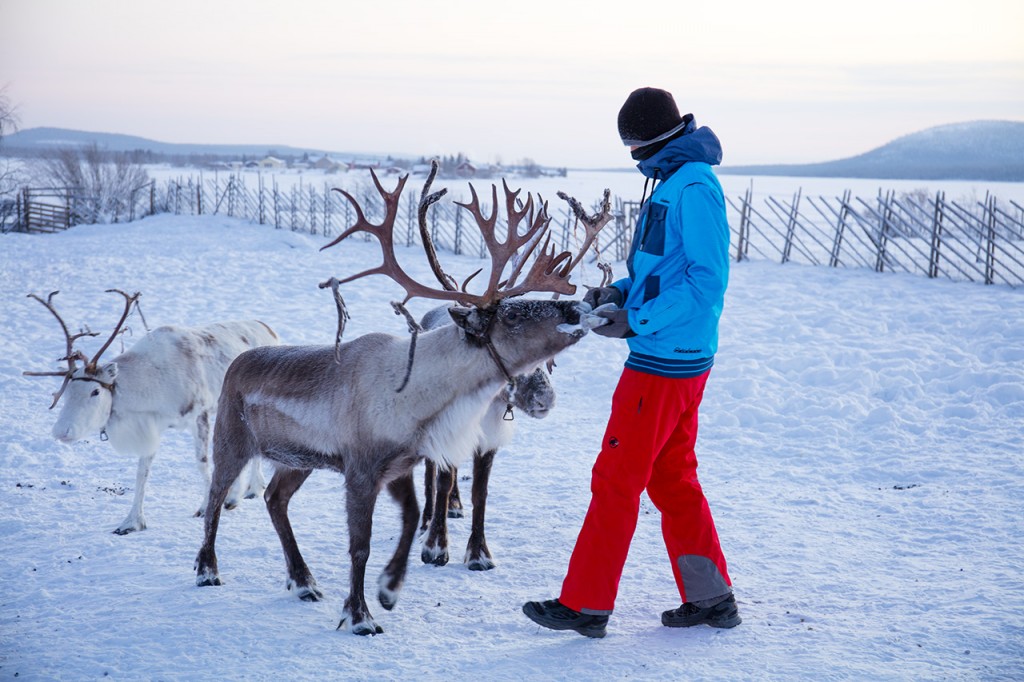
<point>862,446</point>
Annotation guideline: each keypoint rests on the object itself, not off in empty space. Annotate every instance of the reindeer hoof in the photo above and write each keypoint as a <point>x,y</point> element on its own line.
<point>454,513</point>
<point>250,496</point>
<point>205,579</point>
<point>230,504</point>
<point>438,556</point>
<point>481,564</point>
<point>199,514</point>
<point>309,592</point>
<point>363,628</point>
<point>124,530</point>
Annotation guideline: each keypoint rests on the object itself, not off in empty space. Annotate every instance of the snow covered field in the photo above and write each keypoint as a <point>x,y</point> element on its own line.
<point>862,447</point>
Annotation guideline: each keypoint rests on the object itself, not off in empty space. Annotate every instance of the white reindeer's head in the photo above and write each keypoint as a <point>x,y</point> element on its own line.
<point>87,402</point>
<point>89,388</point>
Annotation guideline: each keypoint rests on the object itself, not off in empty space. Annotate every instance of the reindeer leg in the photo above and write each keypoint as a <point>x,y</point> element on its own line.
<point>201,442</point>
<point>147,440</point>
<point>478,557</point>
<point>435,546</point>
<point>429,477</point>
<point>454,499</point>
<point>282,486</point>
<point>232,449</point>
<point>360,499</point>
<point>136,520</point>
<point>404,491</point>
<point>256,486</point>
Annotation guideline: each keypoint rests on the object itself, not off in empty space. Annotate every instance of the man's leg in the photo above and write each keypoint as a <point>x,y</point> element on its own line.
<point>698,563</point>
<point>645,411</point>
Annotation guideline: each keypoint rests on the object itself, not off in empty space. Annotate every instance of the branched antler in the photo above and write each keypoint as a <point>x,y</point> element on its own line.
<point>70,354</point>
<point>592,224</point>
<point>129,300</point>
<point>548,271</point>
<point>343,315</point>
<point>426,201</point>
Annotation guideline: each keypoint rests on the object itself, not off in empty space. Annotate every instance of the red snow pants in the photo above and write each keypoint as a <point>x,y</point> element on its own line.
<point>649,444</point>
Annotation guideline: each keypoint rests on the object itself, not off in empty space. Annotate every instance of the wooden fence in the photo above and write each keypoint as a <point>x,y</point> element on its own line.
<point>53,209</point>
<point>317,210</point>
<point>978,241</point>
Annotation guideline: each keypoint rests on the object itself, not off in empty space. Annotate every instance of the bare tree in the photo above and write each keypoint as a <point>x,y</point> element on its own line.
<point>8,172</point>
<point>107,182</point>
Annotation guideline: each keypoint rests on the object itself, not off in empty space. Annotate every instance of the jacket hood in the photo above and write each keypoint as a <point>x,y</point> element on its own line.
<point>700,145</point>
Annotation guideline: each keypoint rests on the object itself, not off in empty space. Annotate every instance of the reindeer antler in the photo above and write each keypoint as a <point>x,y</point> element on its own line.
<point>70,355</point>
<point>592,224</point>
<point>426,201</point>
<point>129,300</point>
<point>548,272</point>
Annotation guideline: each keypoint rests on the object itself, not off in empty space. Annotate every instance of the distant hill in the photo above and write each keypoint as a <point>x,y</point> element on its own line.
<point>976,150</point>
<point>35,140</point>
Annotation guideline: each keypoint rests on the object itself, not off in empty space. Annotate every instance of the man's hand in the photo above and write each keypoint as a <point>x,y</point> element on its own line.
<point>599,296</point>
<point>617,326</point>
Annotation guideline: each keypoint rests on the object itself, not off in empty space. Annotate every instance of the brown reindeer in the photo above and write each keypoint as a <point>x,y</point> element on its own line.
<point>370,409</point>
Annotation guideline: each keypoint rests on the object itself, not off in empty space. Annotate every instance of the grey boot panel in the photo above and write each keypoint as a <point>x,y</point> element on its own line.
<point>701,579</point>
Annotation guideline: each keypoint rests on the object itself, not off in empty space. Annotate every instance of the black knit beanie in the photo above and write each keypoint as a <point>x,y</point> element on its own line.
<point>649,115</point>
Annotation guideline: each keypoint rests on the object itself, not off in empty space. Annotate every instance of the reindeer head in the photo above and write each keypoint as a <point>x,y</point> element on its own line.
<point>534,393</point>
<point>516,331</point>
<point>89,388</point>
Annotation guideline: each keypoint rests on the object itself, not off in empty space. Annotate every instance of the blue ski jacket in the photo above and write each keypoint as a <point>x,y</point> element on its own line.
<point>679,260</point>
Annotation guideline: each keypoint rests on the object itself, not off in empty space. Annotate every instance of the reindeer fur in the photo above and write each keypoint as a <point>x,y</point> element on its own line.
<point>304,409</point>
<point>170,378</point>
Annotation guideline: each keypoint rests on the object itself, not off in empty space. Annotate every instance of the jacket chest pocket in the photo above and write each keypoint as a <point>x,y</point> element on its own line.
<point>653,241</point>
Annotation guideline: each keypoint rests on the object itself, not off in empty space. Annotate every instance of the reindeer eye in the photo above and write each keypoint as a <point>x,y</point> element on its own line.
<point>95,392</point>
<point>512,316</point>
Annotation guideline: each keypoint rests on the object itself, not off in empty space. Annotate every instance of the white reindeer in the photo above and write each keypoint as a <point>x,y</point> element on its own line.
<point>533,395</point>
<point>370,409</point>
<point>170,378</point>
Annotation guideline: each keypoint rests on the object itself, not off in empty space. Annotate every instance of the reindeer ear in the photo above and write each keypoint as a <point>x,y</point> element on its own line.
<point>468,319</point>
<point>110,369</point>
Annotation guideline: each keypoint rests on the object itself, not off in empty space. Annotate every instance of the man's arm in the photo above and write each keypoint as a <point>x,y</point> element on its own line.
<point>704,274</point>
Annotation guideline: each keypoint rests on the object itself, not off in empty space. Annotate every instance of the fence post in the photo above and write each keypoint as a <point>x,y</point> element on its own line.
<point>883,230</point>
<point>260,199</point>
<point>990,239</point>
<point>837,243</point>
<point>744,237</point>
<point>152,198</point>
<point>409,221</point>
<point>937,216</point>
<point>327,210</point>
<point>791,227</point>
<point>277,207</point>
<point>458,233</point>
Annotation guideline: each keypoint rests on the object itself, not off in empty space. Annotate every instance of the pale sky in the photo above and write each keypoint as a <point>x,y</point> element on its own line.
<point>785,81</point>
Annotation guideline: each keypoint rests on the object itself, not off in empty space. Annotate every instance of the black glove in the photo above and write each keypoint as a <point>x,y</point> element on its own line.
<point>618,327</point>
<point>598,296</point>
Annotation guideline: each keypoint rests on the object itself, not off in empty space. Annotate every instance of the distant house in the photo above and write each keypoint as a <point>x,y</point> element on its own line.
<point>272,162</point>
<point>363,164</point>
<point>326,163</point>
<point>465,170</point>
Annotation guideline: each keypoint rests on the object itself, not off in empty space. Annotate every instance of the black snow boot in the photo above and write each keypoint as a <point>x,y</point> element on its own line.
<point>724,614</point>
<point>554,615</point>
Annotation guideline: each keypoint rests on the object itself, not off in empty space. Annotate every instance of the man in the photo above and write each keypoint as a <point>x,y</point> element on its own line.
<point>668,309</point>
